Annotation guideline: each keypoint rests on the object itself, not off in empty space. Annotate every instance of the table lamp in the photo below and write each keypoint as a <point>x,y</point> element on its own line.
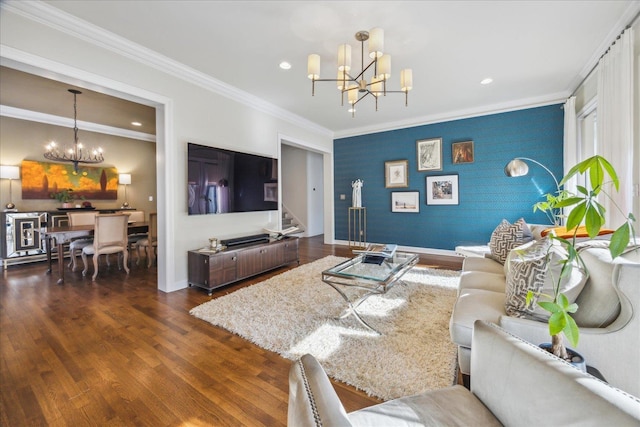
<point>10,173</point>
<point>125,179</point>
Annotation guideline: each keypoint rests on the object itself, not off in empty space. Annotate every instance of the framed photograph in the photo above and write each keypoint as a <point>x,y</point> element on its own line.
<point>429,154</point>
<point>270,191</point>
<point>462,152</point>
<point>442,190</point>
<point>395,174</point>
<point>405,201</point>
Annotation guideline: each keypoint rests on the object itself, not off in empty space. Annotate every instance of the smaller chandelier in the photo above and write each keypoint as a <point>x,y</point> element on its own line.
<point>358,86</point>
<point>76,154</point>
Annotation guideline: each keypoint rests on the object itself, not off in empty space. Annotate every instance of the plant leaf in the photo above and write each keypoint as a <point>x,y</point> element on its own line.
<point>611,171</point>
<point>571,330</point>
<point>619,240</point>
<point>557,322</point>
<point>551,307</point>
<point>576,216</point>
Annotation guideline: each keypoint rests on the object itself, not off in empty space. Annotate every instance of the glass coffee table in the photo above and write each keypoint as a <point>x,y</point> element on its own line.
<point>372,278</point>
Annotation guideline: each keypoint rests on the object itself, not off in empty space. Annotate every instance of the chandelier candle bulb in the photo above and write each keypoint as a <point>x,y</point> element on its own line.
<point>376,42</point>
<point>344,57</point>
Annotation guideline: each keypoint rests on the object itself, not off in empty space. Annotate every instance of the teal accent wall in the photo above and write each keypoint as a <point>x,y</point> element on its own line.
<point>486,194</point>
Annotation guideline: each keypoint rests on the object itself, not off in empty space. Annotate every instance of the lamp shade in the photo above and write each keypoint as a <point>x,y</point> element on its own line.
<point>384,67</point>
<point>406,80</point>
<point>376,42</point>
<point>352,93</point>
<point>124,178</point>
<point>313,66</point>
<point>9,172</point>
<point>516,167</point>
<point>342,80</point>
<point>344,57</point>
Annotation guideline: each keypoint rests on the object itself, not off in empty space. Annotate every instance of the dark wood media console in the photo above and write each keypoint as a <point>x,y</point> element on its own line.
<point>209,270</point>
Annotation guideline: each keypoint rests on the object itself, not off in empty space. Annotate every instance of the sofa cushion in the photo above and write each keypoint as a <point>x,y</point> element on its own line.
<point>536,266</point>
<point>481,280</point>
<point>507,236</point>
<point>482,264</point>
<point>471,305</point>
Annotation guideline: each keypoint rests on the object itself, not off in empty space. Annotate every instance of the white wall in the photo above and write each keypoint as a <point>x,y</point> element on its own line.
<point>187,111</point>
<point>315,202</point>
<point>303,187</point>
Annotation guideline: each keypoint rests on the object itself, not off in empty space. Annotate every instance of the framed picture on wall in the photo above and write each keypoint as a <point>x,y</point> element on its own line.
<point>405,201</point>
<point>395,174</point>
<point>462,152</point>
<point>271,192</point>
<point>429,154</point>
<point>442,190</point>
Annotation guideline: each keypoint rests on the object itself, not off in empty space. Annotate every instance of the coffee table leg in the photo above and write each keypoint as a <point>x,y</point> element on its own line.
<point>352,309</point>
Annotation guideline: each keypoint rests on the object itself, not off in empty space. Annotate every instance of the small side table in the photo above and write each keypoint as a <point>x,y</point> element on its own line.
<point>357,228</point>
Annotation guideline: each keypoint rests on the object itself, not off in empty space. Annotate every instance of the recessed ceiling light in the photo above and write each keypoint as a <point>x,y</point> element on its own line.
<point>136,124</point>
<point>285,65</point>
<point>486,81</point>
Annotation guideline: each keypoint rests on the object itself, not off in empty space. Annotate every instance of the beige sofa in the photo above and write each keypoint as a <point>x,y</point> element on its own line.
<point>514,383</point>
<point>608,313</point>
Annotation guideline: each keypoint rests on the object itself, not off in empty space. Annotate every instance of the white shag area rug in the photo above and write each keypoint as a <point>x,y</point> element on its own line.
<point>295,313</point>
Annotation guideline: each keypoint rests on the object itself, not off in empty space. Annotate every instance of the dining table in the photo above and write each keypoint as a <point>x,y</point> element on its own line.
<point>63,235</point>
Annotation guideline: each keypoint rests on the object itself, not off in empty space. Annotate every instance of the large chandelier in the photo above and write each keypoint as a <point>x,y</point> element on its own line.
<point>358,86</point>
<point>76,154</point>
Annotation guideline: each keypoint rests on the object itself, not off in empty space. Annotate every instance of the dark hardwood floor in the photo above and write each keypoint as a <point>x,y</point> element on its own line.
<point>119,352</point>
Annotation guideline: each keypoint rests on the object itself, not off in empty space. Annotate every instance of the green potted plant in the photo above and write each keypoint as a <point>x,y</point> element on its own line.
<point>587,211</point>
<point>66,197</point>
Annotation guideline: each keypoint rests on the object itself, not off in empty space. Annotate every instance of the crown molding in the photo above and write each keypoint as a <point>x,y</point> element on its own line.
<point>59,20</point>
<point>485,110</point>
<point>50,119</point>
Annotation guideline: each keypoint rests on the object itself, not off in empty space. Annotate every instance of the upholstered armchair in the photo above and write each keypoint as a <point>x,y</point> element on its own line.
<point>109,237</point>
<point>133,239</point>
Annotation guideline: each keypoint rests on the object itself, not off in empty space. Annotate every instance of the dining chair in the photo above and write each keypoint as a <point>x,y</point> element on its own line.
<point>150,243</point>
<point>75,247</point>
<point>109,237</point>
<point>133,239</point>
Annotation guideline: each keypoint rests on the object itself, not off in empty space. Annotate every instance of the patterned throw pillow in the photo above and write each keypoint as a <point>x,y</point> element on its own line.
<point>505,237</point>
<point>536,266</point>
<point>527,271</point>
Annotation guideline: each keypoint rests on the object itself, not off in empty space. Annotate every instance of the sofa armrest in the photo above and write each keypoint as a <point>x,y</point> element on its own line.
<point>614,350</point>
<point>522,384</point>
<point>312,399</point>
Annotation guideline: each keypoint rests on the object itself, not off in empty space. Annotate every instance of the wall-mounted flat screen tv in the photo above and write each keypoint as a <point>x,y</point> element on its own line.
<point>226,181</point>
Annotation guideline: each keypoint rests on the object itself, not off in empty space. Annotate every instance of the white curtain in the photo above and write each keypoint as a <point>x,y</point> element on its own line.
<point>615,123</point>
<point>571,148</point>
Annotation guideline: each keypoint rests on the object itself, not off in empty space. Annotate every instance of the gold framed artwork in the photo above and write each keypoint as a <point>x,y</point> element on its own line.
<point>429,154</point>
<point>462,152</point>
<point>395,174</point>
<point>40,179</point>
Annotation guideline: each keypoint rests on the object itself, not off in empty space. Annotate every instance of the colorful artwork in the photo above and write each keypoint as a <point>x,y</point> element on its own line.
<point>41,179</point>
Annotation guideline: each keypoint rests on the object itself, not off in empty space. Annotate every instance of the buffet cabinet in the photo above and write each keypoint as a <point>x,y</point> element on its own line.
<point>21,239</point>
<point>210,270</point>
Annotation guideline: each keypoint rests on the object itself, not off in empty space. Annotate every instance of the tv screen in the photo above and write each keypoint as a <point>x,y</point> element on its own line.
<point>225,181</point>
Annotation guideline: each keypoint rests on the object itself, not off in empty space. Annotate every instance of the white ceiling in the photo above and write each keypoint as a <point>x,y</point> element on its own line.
<point>537,52</point>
